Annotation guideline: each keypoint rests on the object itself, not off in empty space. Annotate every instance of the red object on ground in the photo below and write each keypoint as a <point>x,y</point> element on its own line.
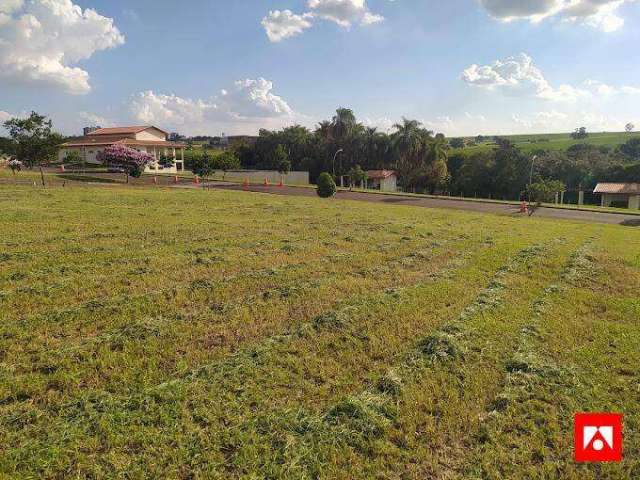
<point>266,182</point>
<point>245,184</point>
<point>523,208</point>
<point>281,184</point>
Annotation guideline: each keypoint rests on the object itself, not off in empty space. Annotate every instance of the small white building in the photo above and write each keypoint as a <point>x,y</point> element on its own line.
<point>619,194</point>
<point>148,139</point>
<point>383,180</point>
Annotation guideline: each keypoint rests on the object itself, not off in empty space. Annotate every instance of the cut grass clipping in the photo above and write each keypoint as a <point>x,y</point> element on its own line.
<point>160,333</point>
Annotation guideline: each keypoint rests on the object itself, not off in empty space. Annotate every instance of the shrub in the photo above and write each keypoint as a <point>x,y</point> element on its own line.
<point>326,186</point>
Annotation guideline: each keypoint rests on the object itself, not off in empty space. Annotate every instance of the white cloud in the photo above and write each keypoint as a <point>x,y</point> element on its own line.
<point>89,119</point>
<point>600,14</point>
<point>249,105</point>
<point>384,124</point>
<point>344,12</point>
<point>519,76</point>
<point>41,40</point>
<point>284,24</point>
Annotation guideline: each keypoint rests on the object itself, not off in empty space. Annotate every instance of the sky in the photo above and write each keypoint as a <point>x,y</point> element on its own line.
<point>461,67</point>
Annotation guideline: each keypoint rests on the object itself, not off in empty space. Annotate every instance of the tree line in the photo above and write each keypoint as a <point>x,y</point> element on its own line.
<point>425,162</point>
<point>343,146</point>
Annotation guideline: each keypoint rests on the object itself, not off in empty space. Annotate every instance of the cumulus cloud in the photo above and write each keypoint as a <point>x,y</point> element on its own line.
<point>344,12</point>
<point>42,40</point>
<point>284,24</point>
<point>600,14</point>
<point>249,105</point>
<point>518,75</point>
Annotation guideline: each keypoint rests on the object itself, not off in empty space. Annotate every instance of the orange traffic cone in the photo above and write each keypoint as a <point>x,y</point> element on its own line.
<point>245,184</point>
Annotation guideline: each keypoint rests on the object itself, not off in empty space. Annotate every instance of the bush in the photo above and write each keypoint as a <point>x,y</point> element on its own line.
<point>326,186</point>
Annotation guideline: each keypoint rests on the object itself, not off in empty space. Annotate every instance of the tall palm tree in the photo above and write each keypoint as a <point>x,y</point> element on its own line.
<point>343,123</point>
<point>408,140</point>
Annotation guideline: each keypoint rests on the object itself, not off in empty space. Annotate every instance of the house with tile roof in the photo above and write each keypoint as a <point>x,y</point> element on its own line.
<point>619,194</point>
<point>149,139</point>
<point>383,180</point>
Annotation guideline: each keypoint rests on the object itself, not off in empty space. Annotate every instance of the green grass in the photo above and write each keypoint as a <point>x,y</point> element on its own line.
<point>554,141</point>
<point>160,333</point>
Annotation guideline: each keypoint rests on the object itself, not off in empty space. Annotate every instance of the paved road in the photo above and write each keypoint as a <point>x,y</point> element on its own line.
<point>496,208</point>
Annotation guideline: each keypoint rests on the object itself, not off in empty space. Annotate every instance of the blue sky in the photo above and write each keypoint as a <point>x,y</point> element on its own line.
<point>462,67</point>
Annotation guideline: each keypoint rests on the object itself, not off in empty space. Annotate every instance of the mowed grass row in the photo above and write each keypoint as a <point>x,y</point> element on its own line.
<point>359,337</point>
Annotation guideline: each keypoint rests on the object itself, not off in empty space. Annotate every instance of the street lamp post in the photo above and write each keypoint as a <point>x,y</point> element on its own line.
<point>334,161</point>
<point>533,163</point>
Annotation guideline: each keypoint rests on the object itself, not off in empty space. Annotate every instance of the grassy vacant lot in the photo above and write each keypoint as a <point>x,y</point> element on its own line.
<point>157,333</point>
<point>556,141</point>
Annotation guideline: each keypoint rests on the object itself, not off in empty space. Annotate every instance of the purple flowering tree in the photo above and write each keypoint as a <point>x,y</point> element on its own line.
<point>131,161</point>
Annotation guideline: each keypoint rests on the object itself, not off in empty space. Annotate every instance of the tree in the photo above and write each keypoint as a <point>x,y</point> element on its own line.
<point>580,133</point>
<point>343,123</point>
<point>225,162</point>
<point>130,161</point>
<point>203,165</point>
<point>326,186</point>
<point>631,148</point>
<point>629,127</point>
<point>33,140</point>
<point>545,190</point>
<point>357,176</point>
<point>280,160</point>
<point>408,141</point>
<point>457,142</point>
<point>72,157</point>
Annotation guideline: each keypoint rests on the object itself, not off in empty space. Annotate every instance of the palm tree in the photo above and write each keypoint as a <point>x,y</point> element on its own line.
<point>323,131</point>
<point>343,123</point>
<point>437,149</point>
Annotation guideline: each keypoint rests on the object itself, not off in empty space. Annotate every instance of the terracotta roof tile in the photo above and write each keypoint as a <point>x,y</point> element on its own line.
<point>379,174</point>
<point>623,188</point>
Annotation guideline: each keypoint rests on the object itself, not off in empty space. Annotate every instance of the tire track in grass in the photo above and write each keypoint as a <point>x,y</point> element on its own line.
<point>344,440</point>
<point>208,398</point>
<point>528,432</point>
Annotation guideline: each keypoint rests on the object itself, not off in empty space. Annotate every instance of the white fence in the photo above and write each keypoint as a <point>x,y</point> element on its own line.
<point>258,176</point>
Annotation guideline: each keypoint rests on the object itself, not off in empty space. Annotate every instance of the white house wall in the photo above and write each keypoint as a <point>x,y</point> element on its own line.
<point>152,135</point>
